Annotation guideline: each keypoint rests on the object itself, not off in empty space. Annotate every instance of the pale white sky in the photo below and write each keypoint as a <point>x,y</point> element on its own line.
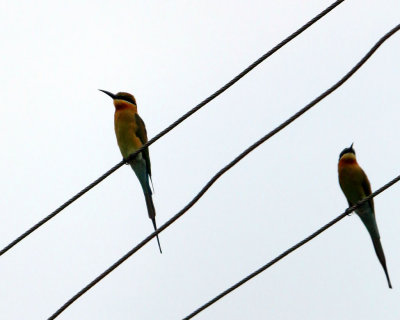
<point>57,136</point>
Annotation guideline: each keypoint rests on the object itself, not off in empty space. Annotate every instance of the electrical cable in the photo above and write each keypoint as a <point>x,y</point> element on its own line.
<point>173,125</point>
<point>225,169</point>
<point>293,248</point>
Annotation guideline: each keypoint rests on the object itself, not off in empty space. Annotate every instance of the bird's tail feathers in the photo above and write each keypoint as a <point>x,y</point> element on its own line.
<point>141,173</point>
<point>367,216</point>
<point>150,205</point>
<point>155,229</point>
<point>381,257</point>
<point>152,214</point>
<point>152,185</point>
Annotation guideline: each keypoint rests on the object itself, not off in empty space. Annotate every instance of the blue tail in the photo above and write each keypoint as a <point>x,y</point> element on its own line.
<point>367,216</point>
<point>139,167</point>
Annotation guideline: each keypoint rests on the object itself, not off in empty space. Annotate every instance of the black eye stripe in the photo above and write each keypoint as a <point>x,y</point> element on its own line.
<point>128,99</point>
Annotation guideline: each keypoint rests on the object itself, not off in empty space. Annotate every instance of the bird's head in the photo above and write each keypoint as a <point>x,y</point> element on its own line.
<point>121,97</point>
<point>348,153</point>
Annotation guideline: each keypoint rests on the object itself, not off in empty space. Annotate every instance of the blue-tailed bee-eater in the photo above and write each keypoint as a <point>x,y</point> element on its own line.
<point>355,186</point>
<point>131,135</point>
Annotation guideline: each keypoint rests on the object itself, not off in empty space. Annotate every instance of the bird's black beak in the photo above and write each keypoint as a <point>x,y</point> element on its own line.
<point>108,93</point>
<point>351,147</point>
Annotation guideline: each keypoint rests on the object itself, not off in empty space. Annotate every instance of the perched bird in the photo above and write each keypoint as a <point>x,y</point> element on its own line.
<point>355,186</point>
<point>131,135</point>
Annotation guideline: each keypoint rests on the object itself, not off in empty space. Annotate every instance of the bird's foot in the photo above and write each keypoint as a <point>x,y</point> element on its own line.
<point>126,161</point>
<point>131,158</point>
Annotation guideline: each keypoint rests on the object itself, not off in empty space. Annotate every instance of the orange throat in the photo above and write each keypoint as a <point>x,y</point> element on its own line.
<point>344,162</point>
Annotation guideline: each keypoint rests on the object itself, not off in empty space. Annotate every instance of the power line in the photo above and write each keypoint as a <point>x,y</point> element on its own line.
<point>173,125</point>
<point>290,250</point>
<point>223,170</point>
<point>60,208</point>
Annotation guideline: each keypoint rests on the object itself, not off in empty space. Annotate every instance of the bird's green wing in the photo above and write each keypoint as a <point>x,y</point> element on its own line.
<point>142,135</point>
<point>367,191</point>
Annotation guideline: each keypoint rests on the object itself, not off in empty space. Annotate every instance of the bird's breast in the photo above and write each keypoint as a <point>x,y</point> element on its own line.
<point>125,130</point>
<point>349,170</point>
<point>351,178</point>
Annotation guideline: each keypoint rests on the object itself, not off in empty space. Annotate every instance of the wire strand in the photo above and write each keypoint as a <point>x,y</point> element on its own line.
<point>293,248</point>
<point>174,124</point>
<point>222,171</point>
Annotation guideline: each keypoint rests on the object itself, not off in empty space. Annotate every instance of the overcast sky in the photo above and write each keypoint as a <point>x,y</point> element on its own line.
<point>56,136</point>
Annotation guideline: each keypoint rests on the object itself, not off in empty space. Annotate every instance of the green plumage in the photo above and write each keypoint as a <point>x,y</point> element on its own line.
<point>356,186</point>
<point>131,134</point>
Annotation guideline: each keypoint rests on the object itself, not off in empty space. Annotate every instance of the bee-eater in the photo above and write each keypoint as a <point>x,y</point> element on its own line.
<point>355,186</point>
<point>131,135</point>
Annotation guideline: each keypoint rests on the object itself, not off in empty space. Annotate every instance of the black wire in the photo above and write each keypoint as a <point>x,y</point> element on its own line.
<point>60,208</point>
<point>222,171</point>
<point>290,250</point>
<point>173,125</point>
